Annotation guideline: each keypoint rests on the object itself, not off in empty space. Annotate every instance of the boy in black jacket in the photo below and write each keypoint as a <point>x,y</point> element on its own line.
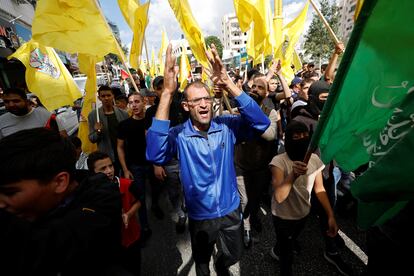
<point>52,221</point>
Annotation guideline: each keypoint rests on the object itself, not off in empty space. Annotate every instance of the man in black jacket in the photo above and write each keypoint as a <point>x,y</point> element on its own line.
<point>52,221</point>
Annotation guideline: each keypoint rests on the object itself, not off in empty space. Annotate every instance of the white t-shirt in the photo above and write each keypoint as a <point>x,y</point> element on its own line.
<point>37,117</point>
<point>297,204</point>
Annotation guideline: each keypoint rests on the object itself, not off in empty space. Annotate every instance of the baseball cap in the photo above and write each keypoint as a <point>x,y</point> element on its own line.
<point>295,81</point>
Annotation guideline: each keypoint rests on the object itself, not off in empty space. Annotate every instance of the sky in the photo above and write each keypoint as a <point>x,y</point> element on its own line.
<point>208,14</point>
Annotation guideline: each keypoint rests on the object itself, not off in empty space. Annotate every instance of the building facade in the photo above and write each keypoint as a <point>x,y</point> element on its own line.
<point>346,21</point>
<point>15,28</point>
<point>231,36</point>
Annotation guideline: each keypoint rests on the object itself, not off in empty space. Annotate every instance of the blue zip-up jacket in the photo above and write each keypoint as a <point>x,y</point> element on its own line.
<point>207,168</point>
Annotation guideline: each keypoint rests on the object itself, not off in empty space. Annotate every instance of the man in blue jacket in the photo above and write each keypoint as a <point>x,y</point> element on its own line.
<point>205,149</point>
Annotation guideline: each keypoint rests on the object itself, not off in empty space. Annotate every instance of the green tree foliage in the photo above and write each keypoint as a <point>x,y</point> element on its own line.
<point>216,41</point>
<point>318,42</point>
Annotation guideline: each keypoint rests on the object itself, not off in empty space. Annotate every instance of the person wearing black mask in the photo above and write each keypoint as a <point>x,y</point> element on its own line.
<point>309,115</point>
<point>293,181</point>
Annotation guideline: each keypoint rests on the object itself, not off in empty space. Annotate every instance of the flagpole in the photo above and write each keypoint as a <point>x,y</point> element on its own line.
<point>146,53</point>
<point>331,32</point>
<point>263,69</point>
<point>96,107</point>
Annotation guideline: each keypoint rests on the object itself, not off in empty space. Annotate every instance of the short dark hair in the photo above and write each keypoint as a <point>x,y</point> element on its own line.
<point>15,91</point>
<point>122,97</point>
<point>198,84</point>
<point>251,72</point>
<point>158,82</point>
<point>104,88</point>
<point>96,156</point>
<point>37,153</point>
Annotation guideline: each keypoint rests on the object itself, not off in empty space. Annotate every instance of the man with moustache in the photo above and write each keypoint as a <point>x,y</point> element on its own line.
<point>21,115</point>
<point>205,146</point>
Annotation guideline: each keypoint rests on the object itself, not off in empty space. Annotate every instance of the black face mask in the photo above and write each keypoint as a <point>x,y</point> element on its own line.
<point>296,149</point>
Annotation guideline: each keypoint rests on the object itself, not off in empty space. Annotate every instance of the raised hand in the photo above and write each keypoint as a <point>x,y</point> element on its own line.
<point>219,74</point>
<point>170,72</point>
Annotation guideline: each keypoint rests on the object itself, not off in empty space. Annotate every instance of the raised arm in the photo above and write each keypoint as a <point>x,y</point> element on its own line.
<point>170,85</point>
<point>330,69</point>
<point>251,113</point>
<point>158,143</point>
<point>219,74</point>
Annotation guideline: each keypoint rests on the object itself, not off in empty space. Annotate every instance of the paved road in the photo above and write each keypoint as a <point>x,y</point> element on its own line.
<point>169,253</point>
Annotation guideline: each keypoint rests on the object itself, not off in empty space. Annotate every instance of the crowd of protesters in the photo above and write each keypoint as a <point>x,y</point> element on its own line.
<point>219,152</point>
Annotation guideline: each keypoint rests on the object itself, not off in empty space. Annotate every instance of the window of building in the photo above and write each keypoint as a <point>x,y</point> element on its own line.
<point>352,8</point>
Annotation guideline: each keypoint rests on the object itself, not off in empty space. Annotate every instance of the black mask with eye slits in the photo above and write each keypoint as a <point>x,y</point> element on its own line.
<point>296,149</point>
<point>317,88</point>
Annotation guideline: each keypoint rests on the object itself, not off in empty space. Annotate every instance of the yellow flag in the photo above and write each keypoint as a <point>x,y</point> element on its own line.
<point>87,65</point>
<point>296,61</point>
<point>293,32</point>
<point>163,49</point>
<point>46,75</point>
<point>73,27</point>
<point>153,69</point>
<point>137,18</point>
<point>244,12</point>
<point>251,49</point>
<point>185,69</point>
<point>191,30</point>
<point>358,7</point>
<point>261,36</point>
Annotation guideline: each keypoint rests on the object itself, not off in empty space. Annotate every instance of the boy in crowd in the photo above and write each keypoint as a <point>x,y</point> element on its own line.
<point>99,162</point>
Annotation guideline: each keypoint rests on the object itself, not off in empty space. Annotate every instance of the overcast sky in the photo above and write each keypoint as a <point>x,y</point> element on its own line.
<point>208,14</point>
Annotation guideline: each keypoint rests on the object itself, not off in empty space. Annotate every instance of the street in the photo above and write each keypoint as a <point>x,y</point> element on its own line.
<point>169,253</point>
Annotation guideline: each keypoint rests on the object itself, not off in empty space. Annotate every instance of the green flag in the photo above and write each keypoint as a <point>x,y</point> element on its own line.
<point>372,85</point>
<point>374,77</point>
<point>387,186</point>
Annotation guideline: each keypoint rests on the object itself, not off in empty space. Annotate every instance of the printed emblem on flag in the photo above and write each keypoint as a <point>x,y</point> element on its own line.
<point>42,63</point>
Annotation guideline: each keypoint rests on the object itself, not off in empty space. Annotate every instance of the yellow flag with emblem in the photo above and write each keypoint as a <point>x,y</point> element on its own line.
<point>191,30</point>
<point>46,75</point>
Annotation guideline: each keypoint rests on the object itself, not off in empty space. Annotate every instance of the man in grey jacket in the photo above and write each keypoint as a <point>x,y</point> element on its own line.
<point>103,127</point>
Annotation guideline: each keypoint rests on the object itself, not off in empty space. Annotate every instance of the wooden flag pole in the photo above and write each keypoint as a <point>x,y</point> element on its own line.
<point>146,53</point>
<point>331,32</point>
<point>96,108</point>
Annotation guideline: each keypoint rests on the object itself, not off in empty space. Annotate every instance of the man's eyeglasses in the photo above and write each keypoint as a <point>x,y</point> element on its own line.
<point>197,101</point>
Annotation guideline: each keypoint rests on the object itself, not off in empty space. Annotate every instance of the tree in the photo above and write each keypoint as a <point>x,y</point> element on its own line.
<point>216,41</point>
<point>318,43</point>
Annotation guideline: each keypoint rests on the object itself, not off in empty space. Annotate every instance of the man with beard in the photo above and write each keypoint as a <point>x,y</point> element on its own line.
<point>293,182</point>
<point>206,148</point>
<point>252,159</point>
<point>21,115</point>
